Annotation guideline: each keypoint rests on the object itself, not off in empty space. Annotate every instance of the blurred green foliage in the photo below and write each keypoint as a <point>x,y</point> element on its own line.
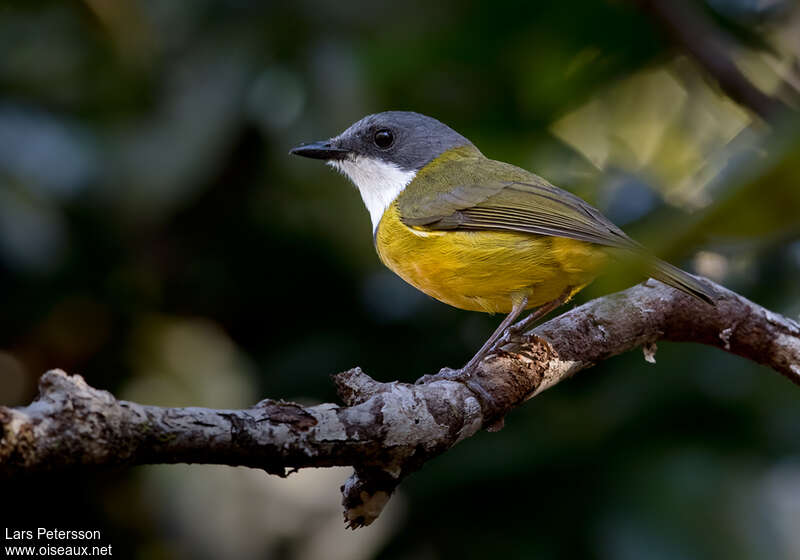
<point>156,238</point>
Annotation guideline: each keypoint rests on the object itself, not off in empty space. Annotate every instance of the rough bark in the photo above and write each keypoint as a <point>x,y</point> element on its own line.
<point>385,430</point>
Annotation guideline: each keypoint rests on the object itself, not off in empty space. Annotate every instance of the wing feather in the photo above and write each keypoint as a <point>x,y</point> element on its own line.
<point>526,207</point>
<point>525,203</point>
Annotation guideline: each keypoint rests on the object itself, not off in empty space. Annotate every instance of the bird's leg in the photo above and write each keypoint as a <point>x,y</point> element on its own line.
<point>499,337</point>
<point>534,316</point>
<point>466,371</point>
<point>518,307</point>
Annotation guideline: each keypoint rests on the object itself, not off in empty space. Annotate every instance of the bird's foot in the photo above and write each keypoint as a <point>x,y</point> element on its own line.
<point>514,331</point>
<point>510,334</point>
<point>463,375</point>
<point>466,377</point>
<point>445,374</point>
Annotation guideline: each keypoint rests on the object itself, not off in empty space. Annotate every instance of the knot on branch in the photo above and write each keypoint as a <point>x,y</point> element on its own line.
<point>16,437</point>
<point>355,387</point>
<point>364,495</point>
<point>58,382</point>
<point>22,433</point>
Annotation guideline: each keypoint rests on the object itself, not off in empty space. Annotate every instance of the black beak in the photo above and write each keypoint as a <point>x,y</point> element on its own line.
<point>319,150</point>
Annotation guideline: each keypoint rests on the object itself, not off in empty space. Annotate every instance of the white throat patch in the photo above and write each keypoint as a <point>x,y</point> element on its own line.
<point>378,182</point>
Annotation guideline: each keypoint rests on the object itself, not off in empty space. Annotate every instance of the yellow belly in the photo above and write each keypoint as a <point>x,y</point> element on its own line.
<point>486,270</point>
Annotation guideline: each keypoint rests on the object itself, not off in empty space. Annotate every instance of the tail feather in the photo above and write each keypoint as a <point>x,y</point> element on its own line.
<point>683,281</point>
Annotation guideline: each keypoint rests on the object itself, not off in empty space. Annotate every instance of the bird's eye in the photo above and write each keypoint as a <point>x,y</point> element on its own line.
<point>384,138</point>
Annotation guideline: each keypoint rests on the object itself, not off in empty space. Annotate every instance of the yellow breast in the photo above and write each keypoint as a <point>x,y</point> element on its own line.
<point>485,270</point>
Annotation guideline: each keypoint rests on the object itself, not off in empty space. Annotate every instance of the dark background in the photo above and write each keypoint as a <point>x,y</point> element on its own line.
<point>156,238</point>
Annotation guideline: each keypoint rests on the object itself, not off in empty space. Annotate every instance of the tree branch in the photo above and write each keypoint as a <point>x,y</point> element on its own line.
<point>386,430</point>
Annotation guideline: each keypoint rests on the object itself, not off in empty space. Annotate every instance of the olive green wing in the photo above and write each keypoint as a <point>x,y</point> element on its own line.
<point>532,206</point>
<point>529,207</point>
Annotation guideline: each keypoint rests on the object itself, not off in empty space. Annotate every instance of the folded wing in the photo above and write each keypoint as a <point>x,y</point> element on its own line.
<point>538,208</point>
<point>534,207</point>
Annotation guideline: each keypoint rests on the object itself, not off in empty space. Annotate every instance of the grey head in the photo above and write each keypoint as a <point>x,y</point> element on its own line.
<point>402,138</point>
<point>382,153</point>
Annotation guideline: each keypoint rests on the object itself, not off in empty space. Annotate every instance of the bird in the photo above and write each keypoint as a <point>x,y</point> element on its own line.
<point>476,233</point>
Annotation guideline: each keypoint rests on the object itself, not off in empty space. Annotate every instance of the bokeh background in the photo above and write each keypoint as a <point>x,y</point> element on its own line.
<point>156,238</point>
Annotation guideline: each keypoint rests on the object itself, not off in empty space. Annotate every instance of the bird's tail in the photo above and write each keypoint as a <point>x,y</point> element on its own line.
<point>680,280</point>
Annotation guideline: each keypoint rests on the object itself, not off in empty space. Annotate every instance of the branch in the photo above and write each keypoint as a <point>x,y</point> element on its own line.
<point>386,430</point>
<point>711,48</point>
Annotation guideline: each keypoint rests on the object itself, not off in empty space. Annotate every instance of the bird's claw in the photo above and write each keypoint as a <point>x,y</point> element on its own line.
<point>444,374</point>
<point>464,375</point>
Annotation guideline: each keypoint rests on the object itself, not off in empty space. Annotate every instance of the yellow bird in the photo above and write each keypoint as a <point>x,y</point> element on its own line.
<point>476,233</point>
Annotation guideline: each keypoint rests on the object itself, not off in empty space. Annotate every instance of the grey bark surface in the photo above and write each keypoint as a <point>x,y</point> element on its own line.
<point>386,431</point>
